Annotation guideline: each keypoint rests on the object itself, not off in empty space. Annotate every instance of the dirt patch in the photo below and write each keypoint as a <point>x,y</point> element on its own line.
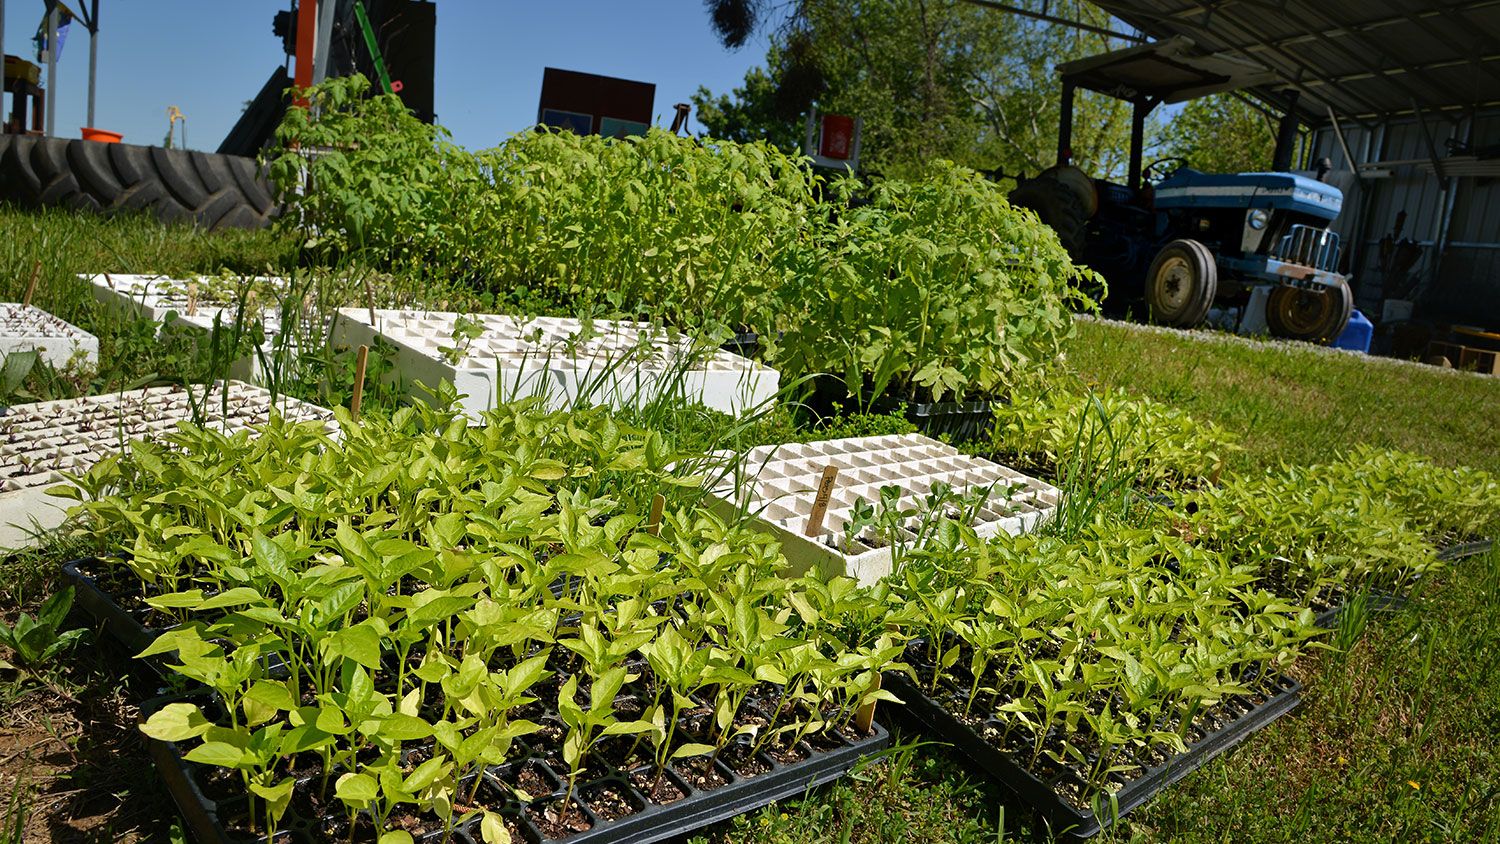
<point>610,803</point>
<point>555,822</point>
<point>78,759</point>
<point>658,789</point>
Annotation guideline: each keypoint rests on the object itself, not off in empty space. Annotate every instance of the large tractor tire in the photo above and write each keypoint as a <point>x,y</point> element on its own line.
<point>1181,284</point>
<point>1058,204</point>
<point>210,190</point>
<point>1317,316</point>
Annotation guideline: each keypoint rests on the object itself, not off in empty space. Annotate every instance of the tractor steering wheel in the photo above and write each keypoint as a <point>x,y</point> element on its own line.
<point>1162,169</point>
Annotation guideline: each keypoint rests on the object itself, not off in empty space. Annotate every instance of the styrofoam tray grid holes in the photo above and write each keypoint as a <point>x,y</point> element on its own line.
<point>779,484</point>
<point>29,321</point>
<point>559,342</point>
<point>40,440</point>
<point>25,328</point>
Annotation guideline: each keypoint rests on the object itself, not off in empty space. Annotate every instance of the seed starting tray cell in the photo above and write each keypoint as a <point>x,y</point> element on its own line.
<point>606,362</point>
<point>25,328</point>
<point>778,484</point>
<point>40,442</point>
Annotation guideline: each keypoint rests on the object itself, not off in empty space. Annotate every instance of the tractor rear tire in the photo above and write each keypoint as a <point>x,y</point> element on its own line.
<point>210,190</point>
<point>1181,284</point>
<point>1316,316</point>
<point>1057,205</point>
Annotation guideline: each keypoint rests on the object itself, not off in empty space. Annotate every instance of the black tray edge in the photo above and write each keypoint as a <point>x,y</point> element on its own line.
<point>926,715</point>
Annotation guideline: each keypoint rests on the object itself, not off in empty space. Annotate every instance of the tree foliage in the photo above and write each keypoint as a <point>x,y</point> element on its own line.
<point>1221,134</point>
<point>932,79</point>
<point>754,112</point>
<point>945,79</point>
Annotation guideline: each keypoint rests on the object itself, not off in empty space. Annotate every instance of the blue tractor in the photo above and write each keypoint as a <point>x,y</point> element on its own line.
<point>1176,241</point>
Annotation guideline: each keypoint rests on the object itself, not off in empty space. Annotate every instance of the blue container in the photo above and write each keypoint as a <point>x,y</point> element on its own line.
<point>1357,334</point>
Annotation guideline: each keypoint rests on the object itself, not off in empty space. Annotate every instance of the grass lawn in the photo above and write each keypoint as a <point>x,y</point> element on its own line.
<point>1295,402</point>
<point>1394,740</point>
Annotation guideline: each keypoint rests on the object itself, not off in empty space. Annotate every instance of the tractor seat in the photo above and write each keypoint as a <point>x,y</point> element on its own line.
<point>1188,188</point>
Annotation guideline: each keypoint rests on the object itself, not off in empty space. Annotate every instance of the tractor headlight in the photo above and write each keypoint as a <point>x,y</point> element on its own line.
<point>1258,218</point>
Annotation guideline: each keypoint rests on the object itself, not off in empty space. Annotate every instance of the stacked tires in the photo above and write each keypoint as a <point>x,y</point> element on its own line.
<point>205,189</point>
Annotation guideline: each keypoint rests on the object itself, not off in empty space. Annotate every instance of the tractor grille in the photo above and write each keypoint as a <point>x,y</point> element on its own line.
<point>1310,247</point>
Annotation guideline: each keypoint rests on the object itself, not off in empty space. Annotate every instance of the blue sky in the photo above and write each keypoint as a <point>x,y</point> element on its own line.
<point>209,56</point>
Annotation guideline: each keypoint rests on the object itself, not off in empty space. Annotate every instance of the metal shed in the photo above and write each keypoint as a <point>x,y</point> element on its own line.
<point>1413,88</point>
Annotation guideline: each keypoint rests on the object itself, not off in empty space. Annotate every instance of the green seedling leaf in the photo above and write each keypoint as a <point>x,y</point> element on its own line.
<point>239,596</point>
<point>356,789</point>
<point>176,722</point>
<point>218,753</point>
<point>692,749</point>
<point>492,829</point>
<point>360,644</point>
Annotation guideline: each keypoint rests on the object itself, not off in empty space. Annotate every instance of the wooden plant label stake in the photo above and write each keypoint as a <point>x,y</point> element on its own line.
<point>36,275</point>
<point>192,302</point>
<point>361,358</point>
<point>820,501</point>
<point>653,524</point>
<point>865,717</point>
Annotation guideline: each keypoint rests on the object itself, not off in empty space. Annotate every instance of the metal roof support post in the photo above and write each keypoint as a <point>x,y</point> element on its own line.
<point>1065,126</point>
<point>1445,220</point>
<point>1141,108</point>
<point>324,47</point>
<point>52,15</point>
<point>1444,206</point>
<point>1360,238</point>
<point>93,23</point>
<point>1286,135</point>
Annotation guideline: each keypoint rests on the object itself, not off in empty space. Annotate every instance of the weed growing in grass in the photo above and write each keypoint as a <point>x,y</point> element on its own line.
<point>35,642</point>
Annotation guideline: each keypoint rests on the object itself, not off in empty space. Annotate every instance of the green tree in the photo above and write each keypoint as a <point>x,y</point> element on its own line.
<point>931,79</point>
<point>1221,134</point>
<point>1018,93</point>
<point>754,112</point>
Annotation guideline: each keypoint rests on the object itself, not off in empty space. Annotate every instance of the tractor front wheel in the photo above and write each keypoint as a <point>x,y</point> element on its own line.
<point>1181,284</point>
<point>1317,316</point>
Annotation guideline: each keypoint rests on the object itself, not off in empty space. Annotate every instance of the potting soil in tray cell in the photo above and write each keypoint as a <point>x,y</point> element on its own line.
<point>152,297</point>
<point>26,328</point>
<point>1060,797</point>
<point>40,442</point>
<point>778,484</point>
<point>638,805</point>
<point>491,358</point>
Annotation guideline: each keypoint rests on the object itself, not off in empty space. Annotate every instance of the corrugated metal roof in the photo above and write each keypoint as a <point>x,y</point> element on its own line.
<point>1366,59</point>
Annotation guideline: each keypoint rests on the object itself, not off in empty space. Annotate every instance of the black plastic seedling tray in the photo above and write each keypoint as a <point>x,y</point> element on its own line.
<point>923,714</point>
<point>744,343</point>
<point>958,421</point>
<point>122,625</point>
<point>118,622</point>
<point>1375,601</point>
<point>210,819</point>
<point>1460,550</point>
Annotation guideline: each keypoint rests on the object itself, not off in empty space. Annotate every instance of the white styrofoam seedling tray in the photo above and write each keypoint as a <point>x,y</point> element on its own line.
<point>40,442</point>
<point>777,486</point>
<point>25,328</point>
<point>152,297</point>
<point>165,299</point>
<point>613,363</point>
